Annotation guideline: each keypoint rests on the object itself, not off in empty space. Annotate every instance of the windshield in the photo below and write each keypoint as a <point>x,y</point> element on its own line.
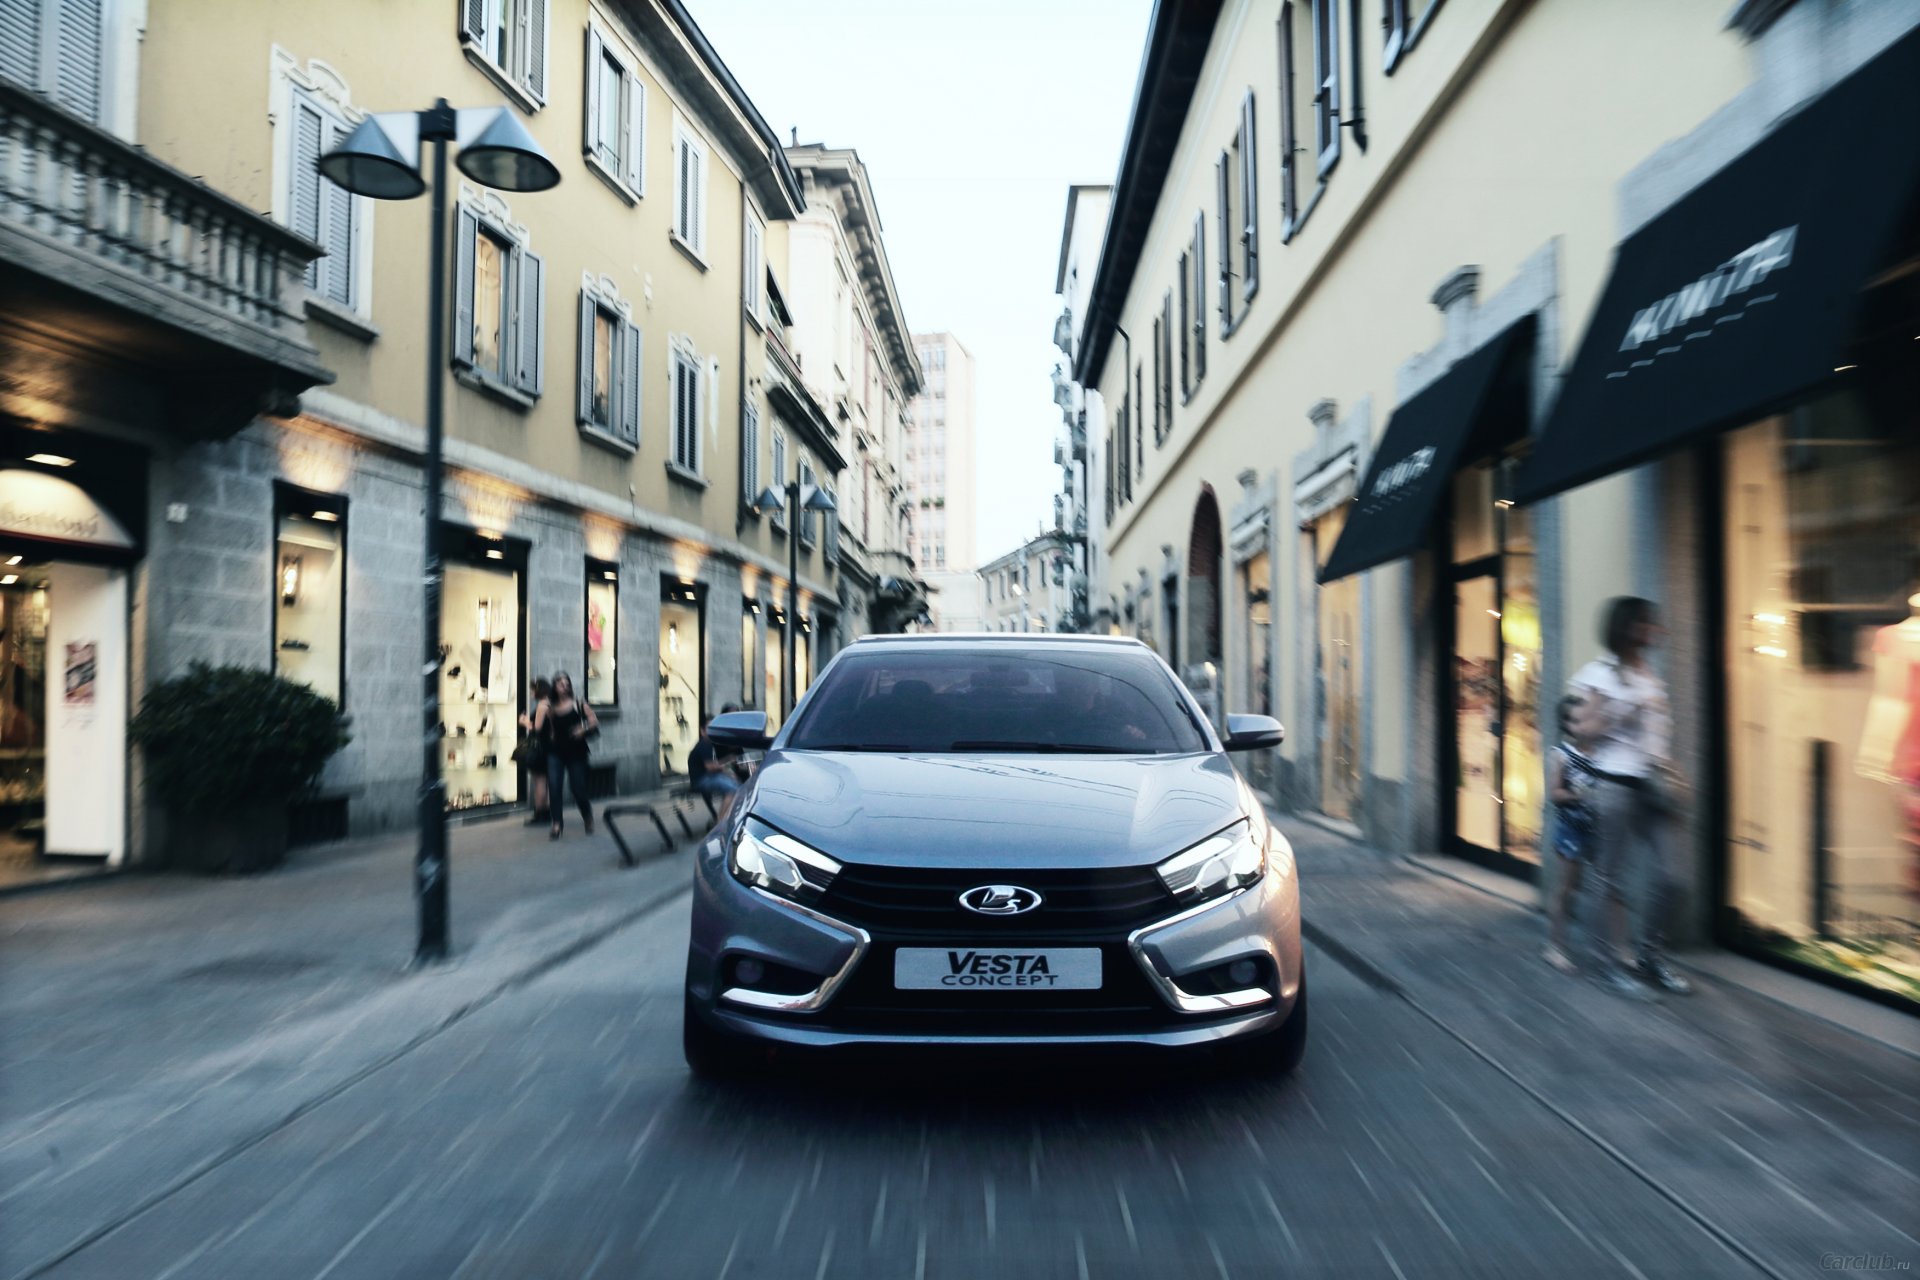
<point>996,698</point>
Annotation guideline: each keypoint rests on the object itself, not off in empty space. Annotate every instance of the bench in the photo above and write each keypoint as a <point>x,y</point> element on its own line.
<point>679,802</point>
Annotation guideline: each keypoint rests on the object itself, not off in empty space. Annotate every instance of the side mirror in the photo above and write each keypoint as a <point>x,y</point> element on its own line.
<point>1252,733</point>
<point>744,729</point>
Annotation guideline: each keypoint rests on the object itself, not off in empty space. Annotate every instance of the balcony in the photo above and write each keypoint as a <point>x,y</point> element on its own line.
<point>188,302</point>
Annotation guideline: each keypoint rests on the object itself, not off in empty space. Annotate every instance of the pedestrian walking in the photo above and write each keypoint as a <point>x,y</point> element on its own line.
<point>1571,781</point>
<point>570,725</point>
<point>1636,798</point>
<point>532,751</point>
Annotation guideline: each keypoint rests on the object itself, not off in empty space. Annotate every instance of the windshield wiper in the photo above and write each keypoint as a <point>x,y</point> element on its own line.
<point>1046,748</point>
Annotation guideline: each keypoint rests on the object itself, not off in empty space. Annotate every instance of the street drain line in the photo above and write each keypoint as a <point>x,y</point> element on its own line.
<point>531,973</point>
<point>1376,978</point>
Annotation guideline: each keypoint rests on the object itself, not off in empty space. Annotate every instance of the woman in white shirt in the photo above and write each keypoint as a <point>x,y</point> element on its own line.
<point>1631,752</point>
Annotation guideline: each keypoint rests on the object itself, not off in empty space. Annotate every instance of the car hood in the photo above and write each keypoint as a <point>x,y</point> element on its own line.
<point>997,811</point>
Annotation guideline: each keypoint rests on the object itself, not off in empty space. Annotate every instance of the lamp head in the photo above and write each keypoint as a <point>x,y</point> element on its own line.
<point>504,156</point>
<point>818,499</point>
<point>770,501</point>
<point>369,164</point>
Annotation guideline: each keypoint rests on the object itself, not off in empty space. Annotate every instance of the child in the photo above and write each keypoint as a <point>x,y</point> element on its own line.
<point>1570,784</point>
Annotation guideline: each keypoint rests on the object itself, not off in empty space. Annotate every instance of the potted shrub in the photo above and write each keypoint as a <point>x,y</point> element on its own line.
<point>226,750</point>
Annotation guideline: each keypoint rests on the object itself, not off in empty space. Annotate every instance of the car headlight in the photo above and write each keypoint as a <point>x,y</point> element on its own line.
<point>770,860</point>
<point>1217,865</point>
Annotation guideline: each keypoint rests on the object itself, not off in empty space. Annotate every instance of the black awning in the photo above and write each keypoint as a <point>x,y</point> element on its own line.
<point>1740,300</point>
<point>1427,438</point>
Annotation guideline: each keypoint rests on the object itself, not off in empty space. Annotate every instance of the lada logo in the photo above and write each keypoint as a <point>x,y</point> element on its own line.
<point>999,900</point>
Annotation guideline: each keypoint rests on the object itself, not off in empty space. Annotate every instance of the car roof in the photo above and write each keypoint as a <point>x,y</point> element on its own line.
<point>972,638</point>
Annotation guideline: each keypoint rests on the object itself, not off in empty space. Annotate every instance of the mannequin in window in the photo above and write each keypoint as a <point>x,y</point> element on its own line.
<point>1890,743</point>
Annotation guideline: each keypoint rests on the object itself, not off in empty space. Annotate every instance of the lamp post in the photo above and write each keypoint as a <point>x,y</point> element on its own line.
<point>380,159</point>
<point>795,498</point>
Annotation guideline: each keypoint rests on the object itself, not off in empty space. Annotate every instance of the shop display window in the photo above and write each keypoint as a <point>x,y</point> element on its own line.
<point>23,708</point>
<point>481,678</point>
<point>776,668</point>
<point>1255,574</point>
<point>749,653</point>
<point>1821,528</point>
<point>310,589</point>
<point>803,658</point>
<point>683,676</point>
<point>603,630</point>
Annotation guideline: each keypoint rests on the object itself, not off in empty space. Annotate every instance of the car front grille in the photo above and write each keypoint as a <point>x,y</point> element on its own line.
<point>924,903</point>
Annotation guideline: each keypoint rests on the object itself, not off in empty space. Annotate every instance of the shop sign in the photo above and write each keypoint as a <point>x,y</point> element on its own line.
<point>35,505</point>
<point>1402,473</point>
<point>1740,274</point>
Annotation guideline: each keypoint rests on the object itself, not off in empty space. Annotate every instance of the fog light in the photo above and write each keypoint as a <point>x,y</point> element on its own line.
<point>1243,973</point>
<point>749,972</point>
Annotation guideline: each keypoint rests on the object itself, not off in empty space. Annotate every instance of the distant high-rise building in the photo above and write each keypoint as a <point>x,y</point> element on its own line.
<point>939,458</point>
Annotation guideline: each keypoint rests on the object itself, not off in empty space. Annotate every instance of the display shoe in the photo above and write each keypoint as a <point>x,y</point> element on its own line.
<point>1655,971</point>
<point>453,673</point>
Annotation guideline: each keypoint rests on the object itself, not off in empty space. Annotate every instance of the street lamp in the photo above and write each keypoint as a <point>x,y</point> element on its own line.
<point>795,498</point>
<point>380,159</point>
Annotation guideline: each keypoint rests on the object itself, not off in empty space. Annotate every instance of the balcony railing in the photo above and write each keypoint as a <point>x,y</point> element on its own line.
<point>87,210</point>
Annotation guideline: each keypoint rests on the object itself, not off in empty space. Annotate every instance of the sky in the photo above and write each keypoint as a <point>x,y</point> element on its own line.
<point>973,117</point>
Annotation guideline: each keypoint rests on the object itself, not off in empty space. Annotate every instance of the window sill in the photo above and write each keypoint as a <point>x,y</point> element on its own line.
<point>516,92</point>
<point>693,255</point>
<point>621,187</point>
<point>755,322</point>
<point>488,385</point>
<point>607,440</point>
<point>685,476</point>
<point>345,319</point>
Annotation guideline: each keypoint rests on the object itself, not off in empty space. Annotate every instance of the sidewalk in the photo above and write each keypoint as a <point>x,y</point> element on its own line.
<point>1770,1126</point>
<point>152,1022</point>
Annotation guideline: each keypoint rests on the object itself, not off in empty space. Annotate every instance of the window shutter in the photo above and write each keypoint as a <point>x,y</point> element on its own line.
<point>1249,197</point>
<point>466,230</point>
<point>534,12</point>
<point>1289,125</point>
<point>749,453</point>
<point>76,71</point>
<point>628,384</point>
<point>1186,327</point>
<point>1199,308</point>
<point>343,216</point>
<point>530,290</point>
<point>681,182</point>
<point>584,412</point>
<point>637,134</point>
<point>309,138</point>
<point>473,21</point>
<point>596,54</point>
<point>700,200</point>
<point>1222,181</point>
<point>20,40</point>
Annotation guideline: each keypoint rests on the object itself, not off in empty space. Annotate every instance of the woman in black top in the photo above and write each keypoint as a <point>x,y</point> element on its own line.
<point>566,721</point>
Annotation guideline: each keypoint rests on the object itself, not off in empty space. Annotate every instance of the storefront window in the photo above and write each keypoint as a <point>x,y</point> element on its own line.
<point>1254,577</point>
<point>776,668</point>
<point>1498,771</point>
<point>683,673</point>
<point>1822,627</point>
<point>1337,676</point>
<point>310,589</point>
<point>603,630</point>
<point>23,712</point>
<point>803,658</point>
<point>749,653</point>
<point>481,677</point>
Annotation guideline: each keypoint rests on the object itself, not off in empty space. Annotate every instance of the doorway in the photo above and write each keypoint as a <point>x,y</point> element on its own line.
<point>1337,677</point>
<point>683,672</point>
<point>1496,789</point>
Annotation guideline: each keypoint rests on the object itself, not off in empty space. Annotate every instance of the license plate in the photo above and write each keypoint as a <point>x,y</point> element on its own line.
<point>996,968</point>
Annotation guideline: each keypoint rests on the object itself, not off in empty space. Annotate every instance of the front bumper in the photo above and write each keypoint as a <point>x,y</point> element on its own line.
<point>732,921</point>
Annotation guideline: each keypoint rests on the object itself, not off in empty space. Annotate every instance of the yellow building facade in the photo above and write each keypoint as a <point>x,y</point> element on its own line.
<point>1361,261</point>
